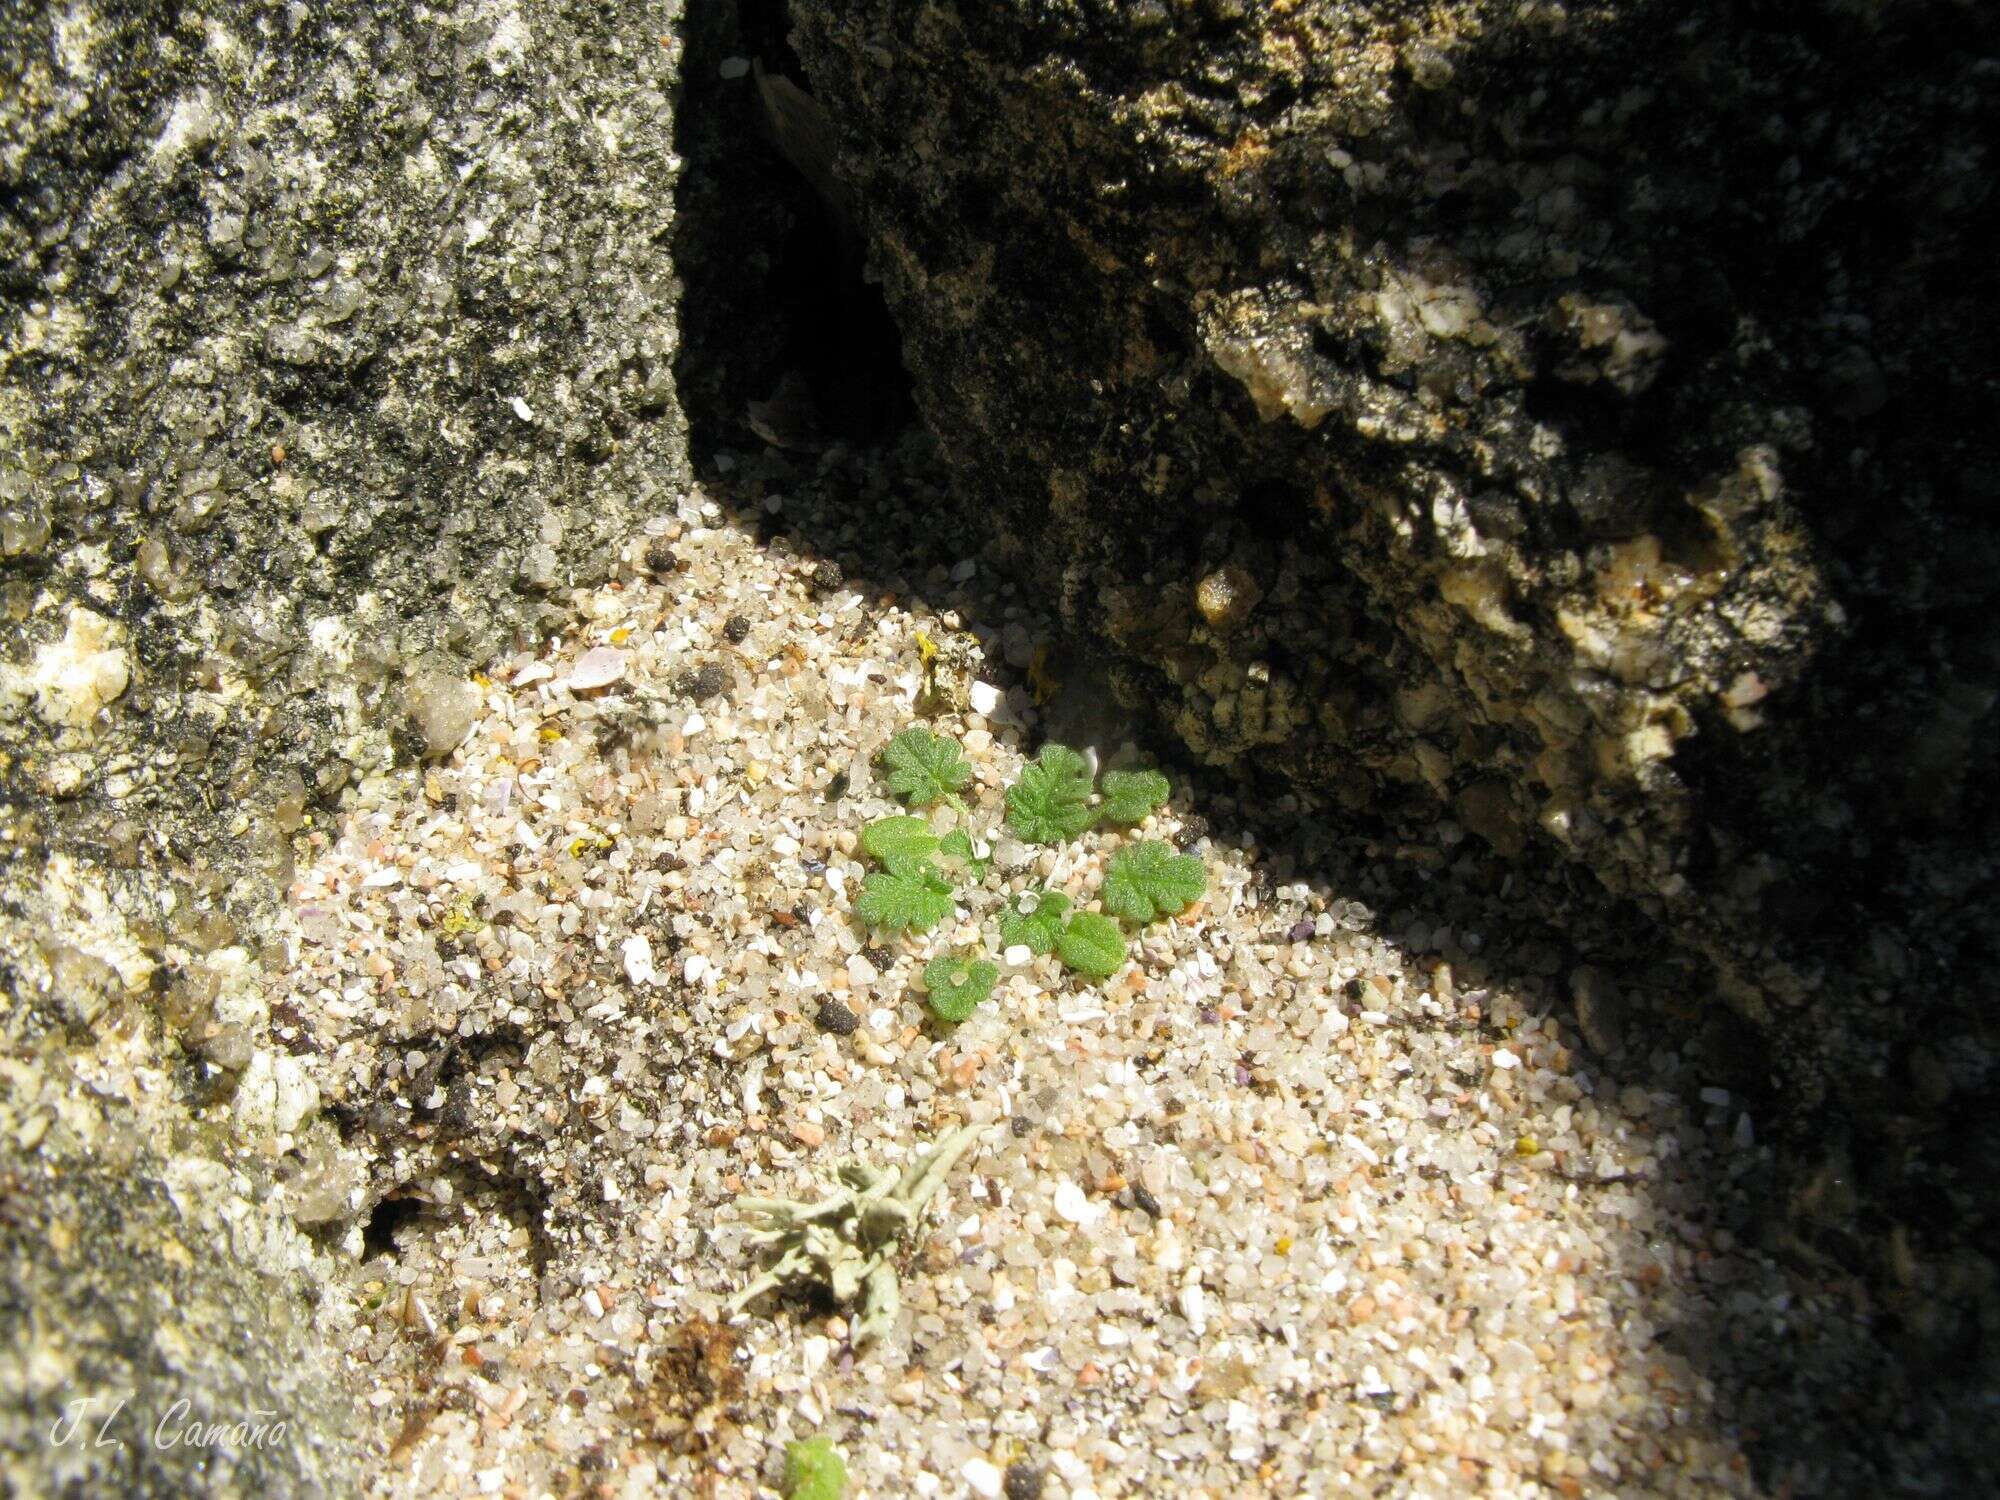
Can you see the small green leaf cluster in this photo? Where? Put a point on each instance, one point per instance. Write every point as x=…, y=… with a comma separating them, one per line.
x=1056, y=798
x=1041, y=922
x=1052, y=800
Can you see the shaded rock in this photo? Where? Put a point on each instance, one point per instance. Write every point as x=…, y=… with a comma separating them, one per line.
x=1593, y=403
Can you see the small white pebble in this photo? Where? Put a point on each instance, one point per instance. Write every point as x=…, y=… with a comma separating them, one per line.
x=522, y=410
x=638, y=954
x=1017, y=955
x=984, y=1478
x=1074, y=1206
x=1503, y=1059
x=1715, y=1096
x=985, y=698
x=1194, y=1307
x=734, y=68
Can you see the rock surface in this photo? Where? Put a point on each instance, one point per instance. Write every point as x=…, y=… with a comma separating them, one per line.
x=335, y=342
x=157, y=1336
x=1563, y=421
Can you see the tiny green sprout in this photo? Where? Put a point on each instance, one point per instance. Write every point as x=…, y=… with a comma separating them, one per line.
x=958, y=845
x=914, y=900
x=1051, y=801
x=814, y=1470
x=1149, y=880
x=1130, y=795
x=956, y=984
x=1091, y=945
x=1033, y=919
x=904, y=844
x=925, y=768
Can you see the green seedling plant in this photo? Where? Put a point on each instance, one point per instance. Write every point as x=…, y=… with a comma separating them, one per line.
x=956, y=983
x=1051, y=801
x=1034, y=920
x=814, y=1470
x=926, y=769
x=1147, y=881
x=850, y=1241
x=1055, y=799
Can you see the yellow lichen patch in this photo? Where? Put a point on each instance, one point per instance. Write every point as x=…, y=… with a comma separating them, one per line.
x=1043, y=680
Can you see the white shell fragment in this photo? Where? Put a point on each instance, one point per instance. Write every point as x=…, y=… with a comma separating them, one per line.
x=598, y=667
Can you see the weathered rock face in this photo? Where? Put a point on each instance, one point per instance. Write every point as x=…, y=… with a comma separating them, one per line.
x=335, y=344
x=1564, y=420
x=157, y=1337
x=331, y=344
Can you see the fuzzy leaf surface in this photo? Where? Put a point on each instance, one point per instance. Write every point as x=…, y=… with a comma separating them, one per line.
x=1149, y=880
x=1092, y=945
x=957, y=984
x=901, y=844
x=913, y=900
x=814, y=1470
x=1051, y=801
x=1036, y=927
x=924, y=768
x=1130, y=795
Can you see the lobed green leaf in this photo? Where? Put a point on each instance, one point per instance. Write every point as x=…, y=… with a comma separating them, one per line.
x=956, y=984
x=1033, y=919
x=1092, y=945
x=1051, y=801
x=1149, y=880
x=925, y=768
x=914, y=900
x=1130, y=795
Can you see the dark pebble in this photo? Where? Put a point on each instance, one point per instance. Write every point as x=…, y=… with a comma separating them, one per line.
x=736, y=628
x=660, y=557
x=1300, y=932
x=837, y=1018
x=703, y=683
x=1209, y=1015
x=1022, y=1126
x=1148, y=1204
x=826, y=576
x=813, y=866
x=1023, y=1482
x=669, y=862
